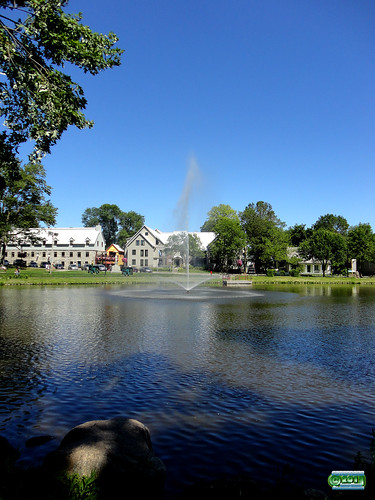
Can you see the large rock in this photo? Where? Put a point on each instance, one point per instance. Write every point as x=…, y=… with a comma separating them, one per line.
x=120, y=452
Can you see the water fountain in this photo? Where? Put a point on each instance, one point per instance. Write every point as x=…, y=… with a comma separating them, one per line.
x=188, y=283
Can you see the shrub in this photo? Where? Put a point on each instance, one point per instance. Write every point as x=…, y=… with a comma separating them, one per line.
x=294, y=272
x=270, y=272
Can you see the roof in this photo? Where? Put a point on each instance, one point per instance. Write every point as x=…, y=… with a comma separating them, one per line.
x=116, y=247
x=64, y=235
x=206, y=237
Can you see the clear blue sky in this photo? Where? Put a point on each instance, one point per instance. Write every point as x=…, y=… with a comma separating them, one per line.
x=273, y=99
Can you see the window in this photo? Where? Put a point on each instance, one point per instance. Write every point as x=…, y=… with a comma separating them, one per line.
x=308, y=268
x=146, y=233
x=43, y=254
x=146, y=262
x=32, y=254
x=133, y=262
x=142, y=253
x=142, y=243
x=62, y=254
x=137, y=243
x=316, y=268
x=87, y=254
x=55, y=242
x=142, y=262
x=78, y=254
x=134, y=251
x=71, y=255
x=146, y=253
x=55, y=254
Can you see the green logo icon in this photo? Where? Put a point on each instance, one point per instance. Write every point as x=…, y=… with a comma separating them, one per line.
x=347, y=480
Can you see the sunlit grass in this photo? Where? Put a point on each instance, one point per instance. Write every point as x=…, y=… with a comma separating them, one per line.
x=36, y=276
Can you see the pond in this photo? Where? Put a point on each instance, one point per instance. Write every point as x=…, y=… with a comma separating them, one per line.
x=229, y=383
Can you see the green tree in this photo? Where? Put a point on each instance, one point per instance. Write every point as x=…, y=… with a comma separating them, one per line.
x=267, y=240
x=196, y=250
x=229, y=243
x=217, y=213
x=275, y=247
x=324, y=246
x=335, y=223
x=130, y=223
x=189, y=250
x=37, y=39
x=177, y=246
x=108, y=216
x=117, y=225
x=297, y=234
x=361, y=244
x=23, y=202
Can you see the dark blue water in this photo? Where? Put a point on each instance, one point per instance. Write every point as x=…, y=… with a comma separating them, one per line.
x=228, y=382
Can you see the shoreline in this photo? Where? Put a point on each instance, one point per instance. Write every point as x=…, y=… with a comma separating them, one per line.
x=39, y=277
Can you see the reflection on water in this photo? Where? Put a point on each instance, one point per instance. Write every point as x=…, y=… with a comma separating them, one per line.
x=241, y=383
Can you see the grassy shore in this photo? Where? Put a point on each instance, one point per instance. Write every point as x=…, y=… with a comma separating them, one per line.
x=35, y=276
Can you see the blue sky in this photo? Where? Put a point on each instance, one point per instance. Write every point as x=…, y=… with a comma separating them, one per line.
x=272, y=100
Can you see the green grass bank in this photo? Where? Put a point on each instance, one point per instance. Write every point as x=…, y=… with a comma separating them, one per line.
x=36, y=276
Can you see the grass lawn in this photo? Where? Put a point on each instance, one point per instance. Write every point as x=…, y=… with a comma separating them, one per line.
x=36, y=276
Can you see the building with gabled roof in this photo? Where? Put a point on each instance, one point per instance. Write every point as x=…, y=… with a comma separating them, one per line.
x=114, y=255
x=146, y=248
x=64, y=246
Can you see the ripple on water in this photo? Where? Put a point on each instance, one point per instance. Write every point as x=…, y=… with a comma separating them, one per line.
x=227, y=386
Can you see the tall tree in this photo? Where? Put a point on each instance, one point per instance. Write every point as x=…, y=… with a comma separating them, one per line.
x=336, y=223
x=264, y=232
x=229, y=243
x=130, y=223
x=117, y=225
x=361, y=244
x=37, y=39
x=297, y=234
x=177, y=245
x=324, y=246
x=217, y=213
x=23, y=198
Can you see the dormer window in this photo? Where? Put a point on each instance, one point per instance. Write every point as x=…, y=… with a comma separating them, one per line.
x=87, y=241
x=55, y=242
x=71, y=241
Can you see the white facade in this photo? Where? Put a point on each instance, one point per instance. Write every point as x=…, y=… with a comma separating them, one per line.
x=146, y=247
x=65, y=246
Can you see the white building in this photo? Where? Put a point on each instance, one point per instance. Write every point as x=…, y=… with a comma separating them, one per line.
x=147, y=247
x=65, y=246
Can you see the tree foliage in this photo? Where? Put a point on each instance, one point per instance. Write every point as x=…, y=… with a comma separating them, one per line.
x=297, y=234
x=335, y=223
x=130, y=223
x=39, y=101
x=190, y=250
x=23, y=197
x=229, y=243
x=265, y=234
x=177, y=245
x=361, y=244
x=117, y=225
x=324, y=246
x=217, y=213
